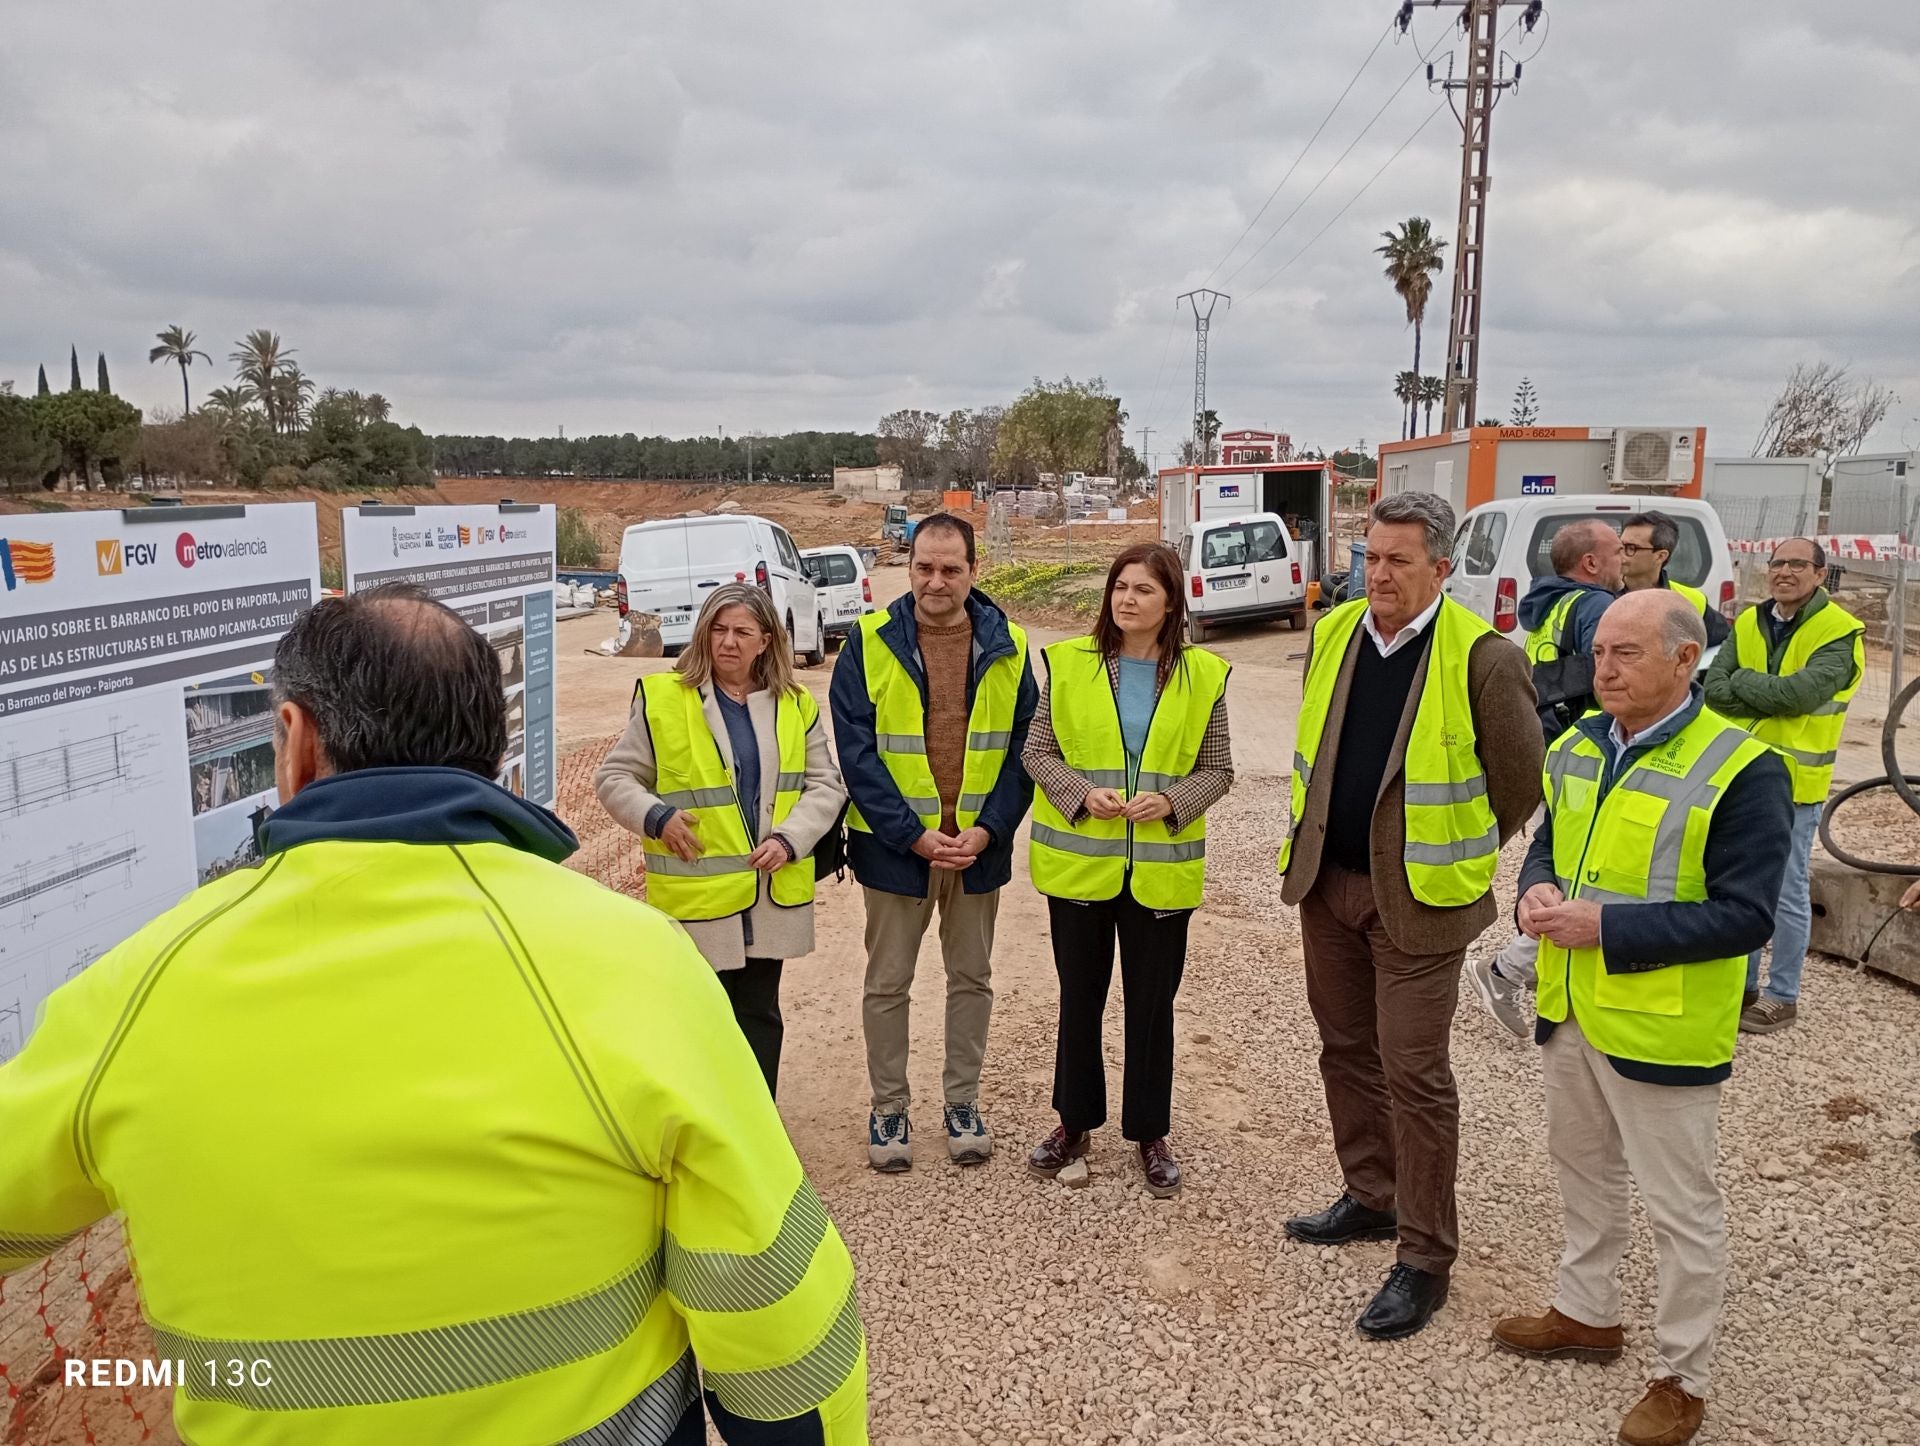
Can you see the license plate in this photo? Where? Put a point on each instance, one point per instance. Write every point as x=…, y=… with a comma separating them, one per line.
x=1224, y=582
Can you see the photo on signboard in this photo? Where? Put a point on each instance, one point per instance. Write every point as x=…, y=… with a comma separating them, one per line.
x=229, y=725
x=510, y=647
x=513, y=778
x=516, y=713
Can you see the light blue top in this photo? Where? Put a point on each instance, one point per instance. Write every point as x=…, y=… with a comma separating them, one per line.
x=1138, y=677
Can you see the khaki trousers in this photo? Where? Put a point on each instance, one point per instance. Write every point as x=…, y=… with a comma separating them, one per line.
x=895, y=926
x=1604, y=1129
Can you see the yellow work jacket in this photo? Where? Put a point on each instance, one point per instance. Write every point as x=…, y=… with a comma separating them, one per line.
x=1090, y=859
x=692, y=776
x=1453, y=838
x=440, y=1143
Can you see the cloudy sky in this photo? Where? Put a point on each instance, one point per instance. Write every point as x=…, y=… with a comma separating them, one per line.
x=613, y=217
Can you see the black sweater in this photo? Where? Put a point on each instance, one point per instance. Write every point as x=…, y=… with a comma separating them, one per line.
x=1376, y=701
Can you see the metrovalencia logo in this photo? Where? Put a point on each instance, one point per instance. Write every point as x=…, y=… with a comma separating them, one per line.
x=25, y=562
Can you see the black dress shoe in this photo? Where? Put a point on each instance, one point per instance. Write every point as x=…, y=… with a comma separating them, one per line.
x=1344, y=1220
x=1405, y=1303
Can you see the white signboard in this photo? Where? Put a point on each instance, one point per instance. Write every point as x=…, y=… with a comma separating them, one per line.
x=494, y=565
x=136, y=735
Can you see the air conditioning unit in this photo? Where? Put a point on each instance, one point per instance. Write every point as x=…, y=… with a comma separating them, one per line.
x=1651, y=458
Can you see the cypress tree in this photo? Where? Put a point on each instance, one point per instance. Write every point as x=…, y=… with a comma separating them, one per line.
x=105, y=386
x=43, y=379
x=73, y=356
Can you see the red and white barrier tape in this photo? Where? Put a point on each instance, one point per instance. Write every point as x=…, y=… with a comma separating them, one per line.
x=1879, y=547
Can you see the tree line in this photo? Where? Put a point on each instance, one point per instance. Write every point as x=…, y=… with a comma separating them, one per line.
x=805, y=459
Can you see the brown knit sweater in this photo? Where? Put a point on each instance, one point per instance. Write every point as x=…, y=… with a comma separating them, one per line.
x=948, y=656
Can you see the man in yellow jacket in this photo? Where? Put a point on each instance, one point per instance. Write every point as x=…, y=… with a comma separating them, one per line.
x=420, y=1136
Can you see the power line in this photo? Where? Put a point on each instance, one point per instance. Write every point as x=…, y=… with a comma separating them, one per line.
x=1166, y=351
x=1274, y=193
x=1418, y=65
x=1355, y=197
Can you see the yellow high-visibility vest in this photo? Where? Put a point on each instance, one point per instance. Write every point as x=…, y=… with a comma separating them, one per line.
x=1810, y=742
x=1090, y=859
x=1543, y=643
x=1691, y=594
x=900, y=728
x=1453, y=838
x=425, y=1142
x=693, y=777
x=1645, y=842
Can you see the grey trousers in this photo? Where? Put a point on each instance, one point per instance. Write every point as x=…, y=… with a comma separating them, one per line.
x=1604, y=1130
x=895, y=926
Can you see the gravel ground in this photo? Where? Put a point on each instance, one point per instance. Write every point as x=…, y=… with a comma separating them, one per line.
x=1007, y=1310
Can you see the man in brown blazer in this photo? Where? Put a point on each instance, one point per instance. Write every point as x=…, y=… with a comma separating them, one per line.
x=1386, y=923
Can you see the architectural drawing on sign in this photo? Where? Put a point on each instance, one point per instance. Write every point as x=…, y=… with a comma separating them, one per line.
x=64, y=771
x=13, y=1015
x=69, y=878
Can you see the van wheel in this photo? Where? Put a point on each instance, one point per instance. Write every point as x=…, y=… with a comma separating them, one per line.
x=817, y=655
x=1196, y=630
x=1298, y=621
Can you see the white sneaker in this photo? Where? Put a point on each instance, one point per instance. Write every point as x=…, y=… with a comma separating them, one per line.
x=1499, y=996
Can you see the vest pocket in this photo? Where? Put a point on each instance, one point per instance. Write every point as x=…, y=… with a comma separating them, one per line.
x=1656, y=991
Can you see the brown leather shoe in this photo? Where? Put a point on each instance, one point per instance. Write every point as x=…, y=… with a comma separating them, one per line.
x=1666, y=1416
x=1053, y=1154
x=1163, y=1171
x=1556, y=1337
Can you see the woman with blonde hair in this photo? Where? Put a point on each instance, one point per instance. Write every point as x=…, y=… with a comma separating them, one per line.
x=726, y=774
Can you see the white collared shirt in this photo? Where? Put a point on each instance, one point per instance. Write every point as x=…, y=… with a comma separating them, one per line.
x=1622, y=742
x=1407, y=634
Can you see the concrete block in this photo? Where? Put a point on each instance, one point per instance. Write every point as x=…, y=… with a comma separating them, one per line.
x=1849, y=909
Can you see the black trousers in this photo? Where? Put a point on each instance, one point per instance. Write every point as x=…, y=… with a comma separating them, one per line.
x=755, y=994
x=1153, y=956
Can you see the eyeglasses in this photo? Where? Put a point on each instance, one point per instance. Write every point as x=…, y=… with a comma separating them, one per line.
x=1789, y=564
x=1634, y=549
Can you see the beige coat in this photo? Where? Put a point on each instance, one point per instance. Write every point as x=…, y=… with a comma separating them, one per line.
x=626, y=782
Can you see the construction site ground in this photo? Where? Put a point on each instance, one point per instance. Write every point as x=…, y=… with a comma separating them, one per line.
x=1006, y=1309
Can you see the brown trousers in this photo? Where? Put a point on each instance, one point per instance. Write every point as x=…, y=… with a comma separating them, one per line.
x=1386, y=1020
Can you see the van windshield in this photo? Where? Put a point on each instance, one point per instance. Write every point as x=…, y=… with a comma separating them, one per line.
x=1691, y=563
x=706, y=547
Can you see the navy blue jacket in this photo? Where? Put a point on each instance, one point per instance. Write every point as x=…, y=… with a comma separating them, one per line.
x=884, y=859
x=1748, y=845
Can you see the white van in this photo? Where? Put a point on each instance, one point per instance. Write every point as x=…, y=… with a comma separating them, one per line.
x=669, y=567
x=1242, y=569
x=1503, y=546
x=846, y=592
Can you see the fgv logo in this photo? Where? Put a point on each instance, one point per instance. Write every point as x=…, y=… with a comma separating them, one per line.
x=111, y=556
x=25, y=562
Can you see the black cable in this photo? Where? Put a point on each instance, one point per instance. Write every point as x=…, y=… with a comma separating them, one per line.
x=1902, y=785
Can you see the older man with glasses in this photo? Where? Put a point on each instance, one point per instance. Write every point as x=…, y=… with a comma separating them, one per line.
x=1792, y=666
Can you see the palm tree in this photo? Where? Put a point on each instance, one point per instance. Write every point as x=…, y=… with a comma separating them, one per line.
x=176, y=346
x=229, y=404
x=292, y=392
x=259, y=359
x=376, y=408
x=1413, y=258
x=1432, y=389
x=1207, y=424
x=1406, y=389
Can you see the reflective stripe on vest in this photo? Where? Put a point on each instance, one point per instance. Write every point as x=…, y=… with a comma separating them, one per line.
x=1691, y=594
x=1810, y=742
x=691, y=775
x=1453, y=839
x=900, y=728
x=1090, y=859
x=1645, y=842
x=1543, y=643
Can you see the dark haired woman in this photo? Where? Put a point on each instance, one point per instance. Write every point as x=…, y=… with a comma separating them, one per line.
x=1129, y=749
